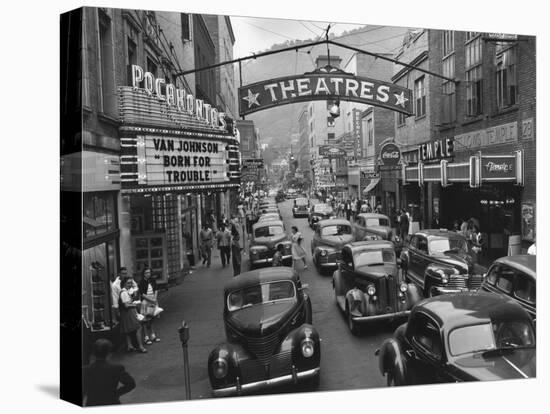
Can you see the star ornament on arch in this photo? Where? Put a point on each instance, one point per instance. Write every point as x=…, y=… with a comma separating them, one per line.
x=400, y=99
x=252, y=99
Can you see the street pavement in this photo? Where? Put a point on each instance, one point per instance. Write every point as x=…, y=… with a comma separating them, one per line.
x=347, y=362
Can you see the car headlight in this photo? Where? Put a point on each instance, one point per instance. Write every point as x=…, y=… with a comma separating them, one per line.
x=308, y=348
x=403, y=287
x=254, y=251
x=323, y=252
x=371, y=290
x=219, y=368
x=444, y=276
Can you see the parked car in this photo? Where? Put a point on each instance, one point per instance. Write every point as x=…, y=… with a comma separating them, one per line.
x=266, y=236
x=270, y=337
x=301, y=207
x=441, y=261
x=368, y=286
x=516, y=277
x=473, y=336
x=327, y=242
x=269, y=216
x=320, y=211
x=372, y=224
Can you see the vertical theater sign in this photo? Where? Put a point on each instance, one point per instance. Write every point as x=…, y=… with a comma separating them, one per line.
x=173, y=141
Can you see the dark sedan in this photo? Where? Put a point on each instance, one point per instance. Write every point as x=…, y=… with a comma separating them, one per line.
x=516, y=277
x=367, y=285
x=440, y=261
x=320, y=211
x=270, y=337
x=329, y=238
x=266, y=236
x=301, y=207
x=473, y=336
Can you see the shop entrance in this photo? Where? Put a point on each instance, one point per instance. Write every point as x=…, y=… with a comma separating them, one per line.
x=495, y=206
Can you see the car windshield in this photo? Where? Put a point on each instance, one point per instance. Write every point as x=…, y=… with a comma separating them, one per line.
x=377, y=222
x=493, y=336
x=444, y=244
x=268, y=231
x=374, y=257
x=322, y=208
x=336, y=230
x=258, y=294
x=301, y=201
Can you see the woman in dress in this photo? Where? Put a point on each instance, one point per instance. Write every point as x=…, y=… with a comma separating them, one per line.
x=129, y=322
x=148, y=290
x=298, y=252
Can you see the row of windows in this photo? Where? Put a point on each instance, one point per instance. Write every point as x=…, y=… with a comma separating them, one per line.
x=505, y=76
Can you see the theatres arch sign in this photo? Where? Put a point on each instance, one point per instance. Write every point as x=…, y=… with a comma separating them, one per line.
x=327, y=83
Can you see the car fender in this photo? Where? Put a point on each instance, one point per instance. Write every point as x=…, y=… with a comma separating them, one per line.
x=337, y=281
x=355, y=299
x=414, y=294
x=232, y=353
x=431, y=274
x=390, y=357
x=293, y=341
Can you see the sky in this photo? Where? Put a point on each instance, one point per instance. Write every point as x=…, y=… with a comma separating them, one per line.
x=257, y=34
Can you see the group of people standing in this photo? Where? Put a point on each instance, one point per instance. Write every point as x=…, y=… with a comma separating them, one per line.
x=351, y=207
x=227, y=239
x=136, y=307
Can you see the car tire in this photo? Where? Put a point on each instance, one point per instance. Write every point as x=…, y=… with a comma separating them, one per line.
x=352, y=325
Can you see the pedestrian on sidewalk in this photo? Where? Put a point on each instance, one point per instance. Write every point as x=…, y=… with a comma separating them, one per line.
x=101, y=379
x=353, y=209
x=206, y=244
x=224, y=244
x=298, y=252
x=403, y=225
x=236, y=253
x=130, y=324
x=116, y=288
x=149, y=305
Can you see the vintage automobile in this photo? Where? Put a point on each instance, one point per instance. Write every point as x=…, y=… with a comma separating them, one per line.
x=320, y=211
x=516, y=277
x=368, y=287
x=369, y=224
x=471, y=336
x=269, y=216
x=270, y=337
x=266, y=236
x=327, y=242
x=441, y=261
x=301, y=207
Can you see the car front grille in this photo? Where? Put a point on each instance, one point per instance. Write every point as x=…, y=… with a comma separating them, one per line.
x=457, y=282
x=266, y=254
x=263, y=347
x=334, y=256
x=475, y=281
x=386, y=291
x=275, y=366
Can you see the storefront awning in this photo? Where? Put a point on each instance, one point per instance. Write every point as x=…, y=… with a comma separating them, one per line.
x=371, y=185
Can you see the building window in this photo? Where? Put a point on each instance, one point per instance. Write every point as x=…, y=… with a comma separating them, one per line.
x=401, y=117
x=448, y=42
x=448, y=106
x=132, y=59
x=420, y=97
x=471, y=35
x=370, y=132
x=507, y=83
x=107, y=102
x=185, y=33
x=474, y=77
x=99, y=214
x=152, y=67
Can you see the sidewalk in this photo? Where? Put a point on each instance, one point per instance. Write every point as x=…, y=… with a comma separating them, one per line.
x=159, y=373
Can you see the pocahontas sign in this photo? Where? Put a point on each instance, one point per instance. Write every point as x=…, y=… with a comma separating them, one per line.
x=324, y=84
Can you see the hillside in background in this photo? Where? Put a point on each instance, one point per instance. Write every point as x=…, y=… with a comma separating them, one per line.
x=278, y=124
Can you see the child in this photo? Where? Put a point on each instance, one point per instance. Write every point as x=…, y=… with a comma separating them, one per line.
x=278, y=256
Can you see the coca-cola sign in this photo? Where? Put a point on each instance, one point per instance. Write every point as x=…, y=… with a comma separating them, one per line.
x=390, y=154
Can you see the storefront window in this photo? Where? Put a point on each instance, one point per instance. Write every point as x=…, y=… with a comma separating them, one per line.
x=99, y=213
x=99, y=268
